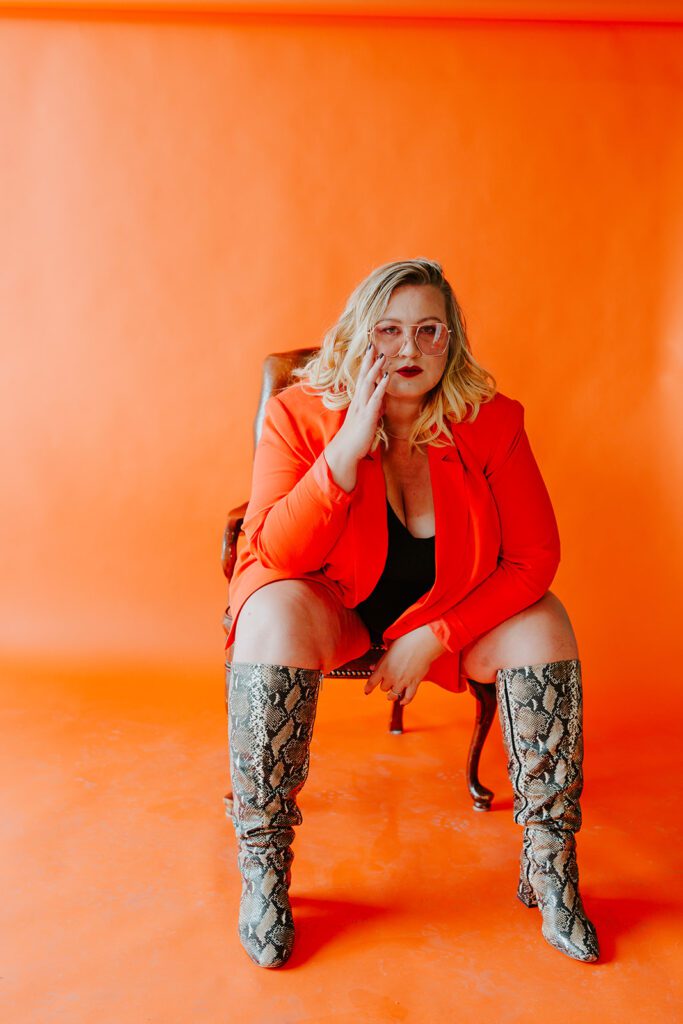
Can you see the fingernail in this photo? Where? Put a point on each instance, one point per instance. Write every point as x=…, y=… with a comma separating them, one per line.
x=381, y=357
x=385, y=374
x=369, y=346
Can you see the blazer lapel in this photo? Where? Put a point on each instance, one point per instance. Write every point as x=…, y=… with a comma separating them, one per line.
x=368, y=526
x=467, y=533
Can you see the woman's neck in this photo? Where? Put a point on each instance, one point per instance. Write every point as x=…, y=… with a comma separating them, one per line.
x=399, y=416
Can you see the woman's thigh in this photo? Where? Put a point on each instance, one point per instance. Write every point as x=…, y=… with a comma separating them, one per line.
x=540, y=633
x=298, y=622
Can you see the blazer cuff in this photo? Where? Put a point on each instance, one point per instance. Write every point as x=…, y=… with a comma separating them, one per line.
x=449, y=632
x=325, y=488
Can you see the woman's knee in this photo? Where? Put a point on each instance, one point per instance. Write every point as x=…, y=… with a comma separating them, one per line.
x=547, y=623
x=540, y=633
x=286, y=623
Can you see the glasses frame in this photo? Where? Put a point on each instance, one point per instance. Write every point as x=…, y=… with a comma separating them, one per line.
x=413, y=329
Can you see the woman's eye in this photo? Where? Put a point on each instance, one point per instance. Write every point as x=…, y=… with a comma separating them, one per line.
x=429, y=329
x=388, y=331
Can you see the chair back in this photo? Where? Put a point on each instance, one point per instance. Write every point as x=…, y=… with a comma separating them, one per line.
x=277, y=373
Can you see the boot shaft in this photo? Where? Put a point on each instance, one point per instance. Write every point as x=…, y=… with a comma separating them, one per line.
x=541, y=712
x=271, y=714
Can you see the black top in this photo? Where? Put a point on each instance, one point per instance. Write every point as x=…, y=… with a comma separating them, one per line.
x=408, y=573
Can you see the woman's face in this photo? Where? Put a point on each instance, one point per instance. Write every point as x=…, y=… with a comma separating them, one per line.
x=410, y=304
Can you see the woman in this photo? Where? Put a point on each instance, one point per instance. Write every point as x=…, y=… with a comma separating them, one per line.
x=396, y=499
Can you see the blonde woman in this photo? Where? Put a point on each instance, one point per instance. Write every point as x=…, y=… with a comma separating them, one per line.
x=396, y=500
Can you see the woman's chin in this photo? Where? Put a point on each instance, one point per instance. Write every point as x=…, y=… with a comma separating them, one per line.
x=402, y=387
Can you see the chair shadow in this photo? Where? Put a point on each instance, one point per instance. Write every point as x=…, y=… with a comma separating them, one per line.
x=503, y=803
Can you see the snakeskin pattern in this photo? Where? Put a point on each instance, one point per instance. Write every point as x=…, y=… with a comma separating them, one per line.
x=271, y=712
x=541, y=714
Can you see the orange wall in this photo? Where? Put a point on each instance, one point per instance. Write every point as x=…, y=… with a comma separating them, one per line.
x=181, y=197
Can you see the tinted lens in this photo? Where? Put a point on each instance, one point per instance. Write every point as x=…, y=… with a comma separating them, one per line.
x=432, y=338
x=389, y=338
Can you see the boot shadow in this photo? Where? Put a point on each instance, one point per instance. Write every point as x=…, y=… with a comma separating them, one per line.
x=320, y=921
x=614, y=917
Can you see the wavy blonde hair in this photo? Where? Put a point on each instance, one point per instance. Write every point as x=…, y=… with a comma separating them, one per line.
x=333, y=370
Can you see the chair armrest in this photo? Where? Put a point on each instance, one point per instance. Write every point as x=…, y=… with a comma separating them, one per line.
x=232, y=530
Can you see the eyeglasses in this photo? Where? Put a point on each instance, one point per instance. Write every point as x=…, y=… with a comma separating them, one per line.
x=431, y=339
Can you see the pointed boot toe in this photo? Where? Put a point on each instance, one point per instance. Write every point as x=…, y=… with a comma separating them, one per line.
x=578, y=940
x=266, y=924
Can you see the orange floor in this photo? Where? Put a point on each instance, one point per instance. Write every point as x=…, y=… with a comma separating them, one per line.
x=120, y=887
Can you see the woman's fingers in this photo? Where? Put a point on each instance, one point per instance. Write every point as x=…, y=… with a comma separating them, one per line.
x=409, y=693
x=378, y=393
x=394, y=691
x=374, y=677
x=387, y=685
x=369, y=377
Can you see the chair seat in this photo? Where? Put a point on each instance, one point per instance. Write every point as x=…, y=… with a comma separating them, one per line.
x=359, y=668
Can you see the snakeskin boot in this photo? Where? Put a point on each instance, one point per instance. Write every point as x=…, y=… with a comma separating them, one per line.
x=271, y=711
x=541, y=713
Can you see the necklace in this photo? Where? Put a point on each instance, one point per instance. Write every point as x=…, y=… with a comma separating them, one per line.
x=396, y=436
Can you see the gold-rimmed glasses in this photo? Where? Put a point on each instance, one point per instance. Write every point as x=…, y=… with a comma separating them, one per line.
x=430, y=338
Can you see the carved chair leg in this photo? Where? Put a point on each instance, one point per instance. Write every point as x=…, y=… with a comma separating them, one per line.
x=485, y=696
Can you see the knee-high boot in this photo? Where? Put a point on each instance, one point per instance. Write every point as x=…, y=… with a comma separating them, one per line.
x=541, y=713
x=271, y=711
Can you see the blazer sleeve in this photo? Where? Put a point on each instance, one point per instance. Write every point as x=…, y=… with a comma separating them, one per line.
x=296, y=511
x=530, y=542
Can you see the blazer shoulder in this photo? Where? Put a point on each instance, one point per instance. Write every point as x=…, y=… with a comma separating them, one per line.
x=495, y=431
x=298, y=396
x=500, y=408
x=499, y=413
x=299, y=412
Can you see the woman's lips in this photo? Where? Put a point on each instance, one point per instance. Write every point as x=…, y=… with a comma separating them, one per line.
x=410, y=371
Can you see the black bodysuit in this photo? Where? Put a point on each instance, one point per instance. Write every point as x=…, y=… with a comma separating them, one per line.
x=408, y=573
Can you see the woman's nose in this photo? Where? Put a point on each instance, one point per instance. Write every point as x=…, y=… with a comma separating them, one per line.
x=408, y=343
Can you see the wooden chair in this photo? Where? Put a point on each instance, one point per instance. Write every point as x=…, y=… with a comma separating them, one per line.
x=277, y=369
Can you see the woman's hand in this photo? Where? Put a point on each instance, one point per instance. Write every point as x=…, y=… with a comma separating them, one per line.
x=401, y=670
x=356, y=434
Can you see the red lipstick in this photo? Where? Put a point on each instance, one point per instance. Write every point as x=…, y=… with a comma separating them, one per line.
x=410, y=371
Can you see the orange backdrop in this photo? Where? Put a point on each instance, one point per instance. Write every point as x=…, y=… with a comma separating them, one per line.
x=183, y=195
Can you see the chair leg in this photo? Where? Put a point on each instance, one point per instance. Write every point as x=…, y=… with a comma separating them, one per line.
x=396, y=720
x=485, y=696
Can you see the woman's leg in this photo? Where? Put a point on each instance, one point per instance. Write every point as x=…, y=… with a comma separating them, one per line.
x=533, y=658
x=287, y=634
x=298, y=622
x=540, y=633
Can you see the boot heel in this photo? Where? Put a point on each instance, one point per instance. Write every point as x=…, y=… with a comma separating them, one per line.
x=526, y=894
x=525, y=891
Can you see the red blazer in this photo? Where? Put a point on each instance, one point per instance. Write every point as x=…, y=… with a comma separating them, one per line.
x=497, y=544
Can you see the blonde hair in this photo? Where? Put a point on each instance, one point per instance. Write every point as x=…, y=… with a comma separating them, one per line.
x=333, y=370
